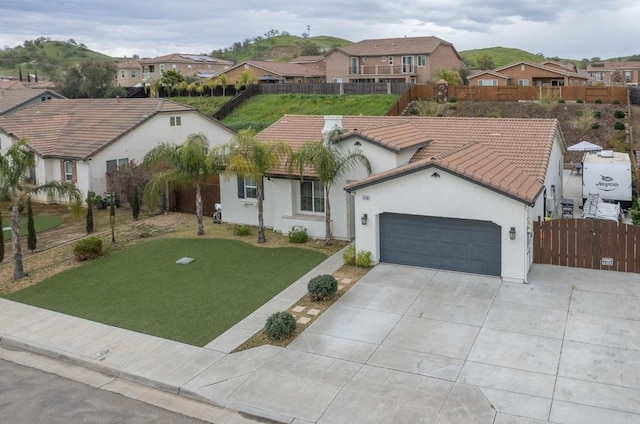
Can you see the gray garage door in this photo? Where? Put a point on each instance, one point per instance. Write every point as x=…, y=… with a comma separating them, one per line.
x=442, y=243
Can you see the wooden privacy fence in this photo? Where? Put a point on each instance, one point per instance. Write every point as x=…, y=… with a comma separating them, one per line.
x=587, y=243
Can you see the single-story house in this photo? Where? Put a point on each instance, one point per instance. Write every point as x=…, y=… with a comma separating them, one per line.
x=82, y=140
x=13, y=100
x=274, y=72
x=452, y=193
x=526, y=73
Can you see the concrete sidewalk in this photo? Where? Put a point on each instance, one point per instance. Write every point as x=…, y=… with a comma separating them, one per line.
x=404, y=345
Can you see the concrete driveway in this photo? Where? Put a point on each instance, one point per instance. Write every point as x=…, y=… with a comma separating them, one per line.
x=413, y=345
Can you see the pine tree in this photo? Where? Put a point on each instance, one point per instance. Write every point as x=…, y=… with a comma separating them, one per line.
x=36, y=72
x=90, y=198
x=112, y=217
x=32, y=240
x=28, y=75
x=135, y=204
x=1, y=239
x=20, y=71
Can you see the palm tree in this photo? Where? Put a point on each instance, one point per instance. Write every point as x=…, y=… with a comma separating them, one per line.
x=247, y=157
x=180, y=166
x=329, y=164
x=223, y=80
x=14, y=170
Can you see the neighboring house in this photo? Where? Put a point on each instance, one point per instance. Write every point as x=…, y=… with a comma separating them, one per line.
x=314, y=63
x=83, y=140
x=408, y=60
x=526, y=73
x=615, y=73
x=444, y=193
x=275, y=72
x=13, y=100
x=137, y=72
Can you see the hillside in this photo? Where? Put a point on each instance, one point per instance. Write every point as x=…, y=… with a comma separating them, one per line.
x=503, y=56
x=280, y=48
x=45, y=56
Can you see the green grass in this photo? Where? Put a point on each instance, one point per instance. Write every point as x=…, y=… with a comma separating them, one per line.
x=261, y=111
x=503, y=56
x=204, y=104
x=42, y=223
x=142, y=289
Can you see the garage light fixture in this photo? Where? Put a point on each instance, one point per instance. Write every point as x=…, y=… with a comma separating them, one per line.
x=435, y=175
x=512, y=233
x=364, y=219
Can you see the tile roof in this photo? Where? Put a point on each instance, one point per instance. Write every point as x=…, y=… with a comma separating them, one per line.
x=284, y=69
x=12, y=85
x=405, y=45
x=184, y=58
x=307, y=59
x=78, y=128
x=522, y=144
x=11, y=99
x=556, y=70
x=489, y=72
x=613, y=65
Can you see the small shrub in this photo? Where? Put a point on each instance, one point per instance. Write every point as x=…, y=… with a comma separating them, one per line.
x=363, y=258
x=598, y=101
x=579, y=100
x=280, y=325
x=88, y=248
x=597, y=114
x=452, y=99
x=241, y=230
x=635, y=216
x=322, y=287
x=618, y=114
x=618, y=126
x=298, y=234
x=618, y=142
x=494, y=114
x=560, y=100
x=349, y=255
x=579, y=113
x=595, y=126
x=453, y=107
x=615, y=102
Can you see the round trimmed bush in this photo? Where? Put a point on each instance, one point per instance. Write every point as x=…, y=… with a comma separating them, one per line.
x=280, y=325
x=618, y=114
x=322, y=287
x=618, y=126
x=298, y=234
x=88, y=248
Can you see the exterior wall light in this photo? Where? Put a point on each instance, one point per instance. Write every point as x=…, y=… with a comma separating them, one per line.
x=512, y=233
x=364, y=219
x=435, y=175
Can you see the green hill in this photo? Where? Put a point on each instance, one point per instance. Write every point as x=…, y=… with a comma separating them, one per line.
x=503, y=56
x=45, y=56
x=279, y=48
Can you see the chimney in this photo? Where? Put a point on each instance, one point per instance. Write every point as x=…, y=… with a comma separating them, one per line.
x=331, y=123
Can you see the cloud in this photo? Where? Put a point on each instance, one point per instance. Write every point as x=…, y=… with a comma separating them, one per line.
x=151, y=28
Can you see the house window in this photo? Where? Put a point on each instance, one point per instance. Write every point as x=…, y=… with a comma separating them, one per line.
x=390, y=60
x=599, y=76
x=627, y=76
x=383, y=59
x=311, y=196
x=175, y=121
x=174, y=66
x=523, y=82
x=557, y=83
x=247, y=188
x=113, y=165
x=68, y=170
x=122, y=73
x=133, y=73
x=487, y=82
x=162, y=68
x=422, y=60
x=337, y=80
x=188, y=67
x=152, y=69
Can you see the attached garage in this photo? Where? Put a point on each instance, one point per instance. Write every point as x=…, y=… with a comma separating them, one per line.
x=443, y=243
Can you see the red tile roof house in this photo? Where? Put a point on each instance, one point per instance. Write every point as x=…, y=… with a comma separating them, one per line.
x=408, y=60
x=451, y=193
x=13, y=100
x=81, y=140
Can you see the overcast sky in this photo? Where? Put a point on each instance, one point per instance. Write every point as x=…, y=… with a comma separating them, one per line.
x=573, y=29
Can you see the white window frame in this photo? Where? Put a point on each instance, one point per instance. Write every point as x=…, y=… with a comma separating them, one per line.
x=175, y=121
x=250, y=188
x=337, y=80
x=599, y=76
x=422, y=60
x=317, y=197
x=133, y=73
x=68, y=170
x=383, y=58
x=523, y=82
x=390, y=60
x=628, y=75
x=487, y=82
x=122, y=73
x=163, y=68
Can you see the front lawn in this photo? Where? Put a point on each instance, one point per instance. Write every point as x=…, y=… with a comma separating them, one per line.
x=141, y=288
x=41, y=223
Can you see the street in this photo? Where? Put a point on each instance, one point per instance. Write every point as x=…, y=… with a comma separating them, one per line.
x=29, y=396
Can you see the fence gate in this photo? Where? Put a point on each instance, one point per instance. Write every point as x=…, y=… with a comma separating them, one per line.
x=210, y=192
x=587, y=243
x=634, y=95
